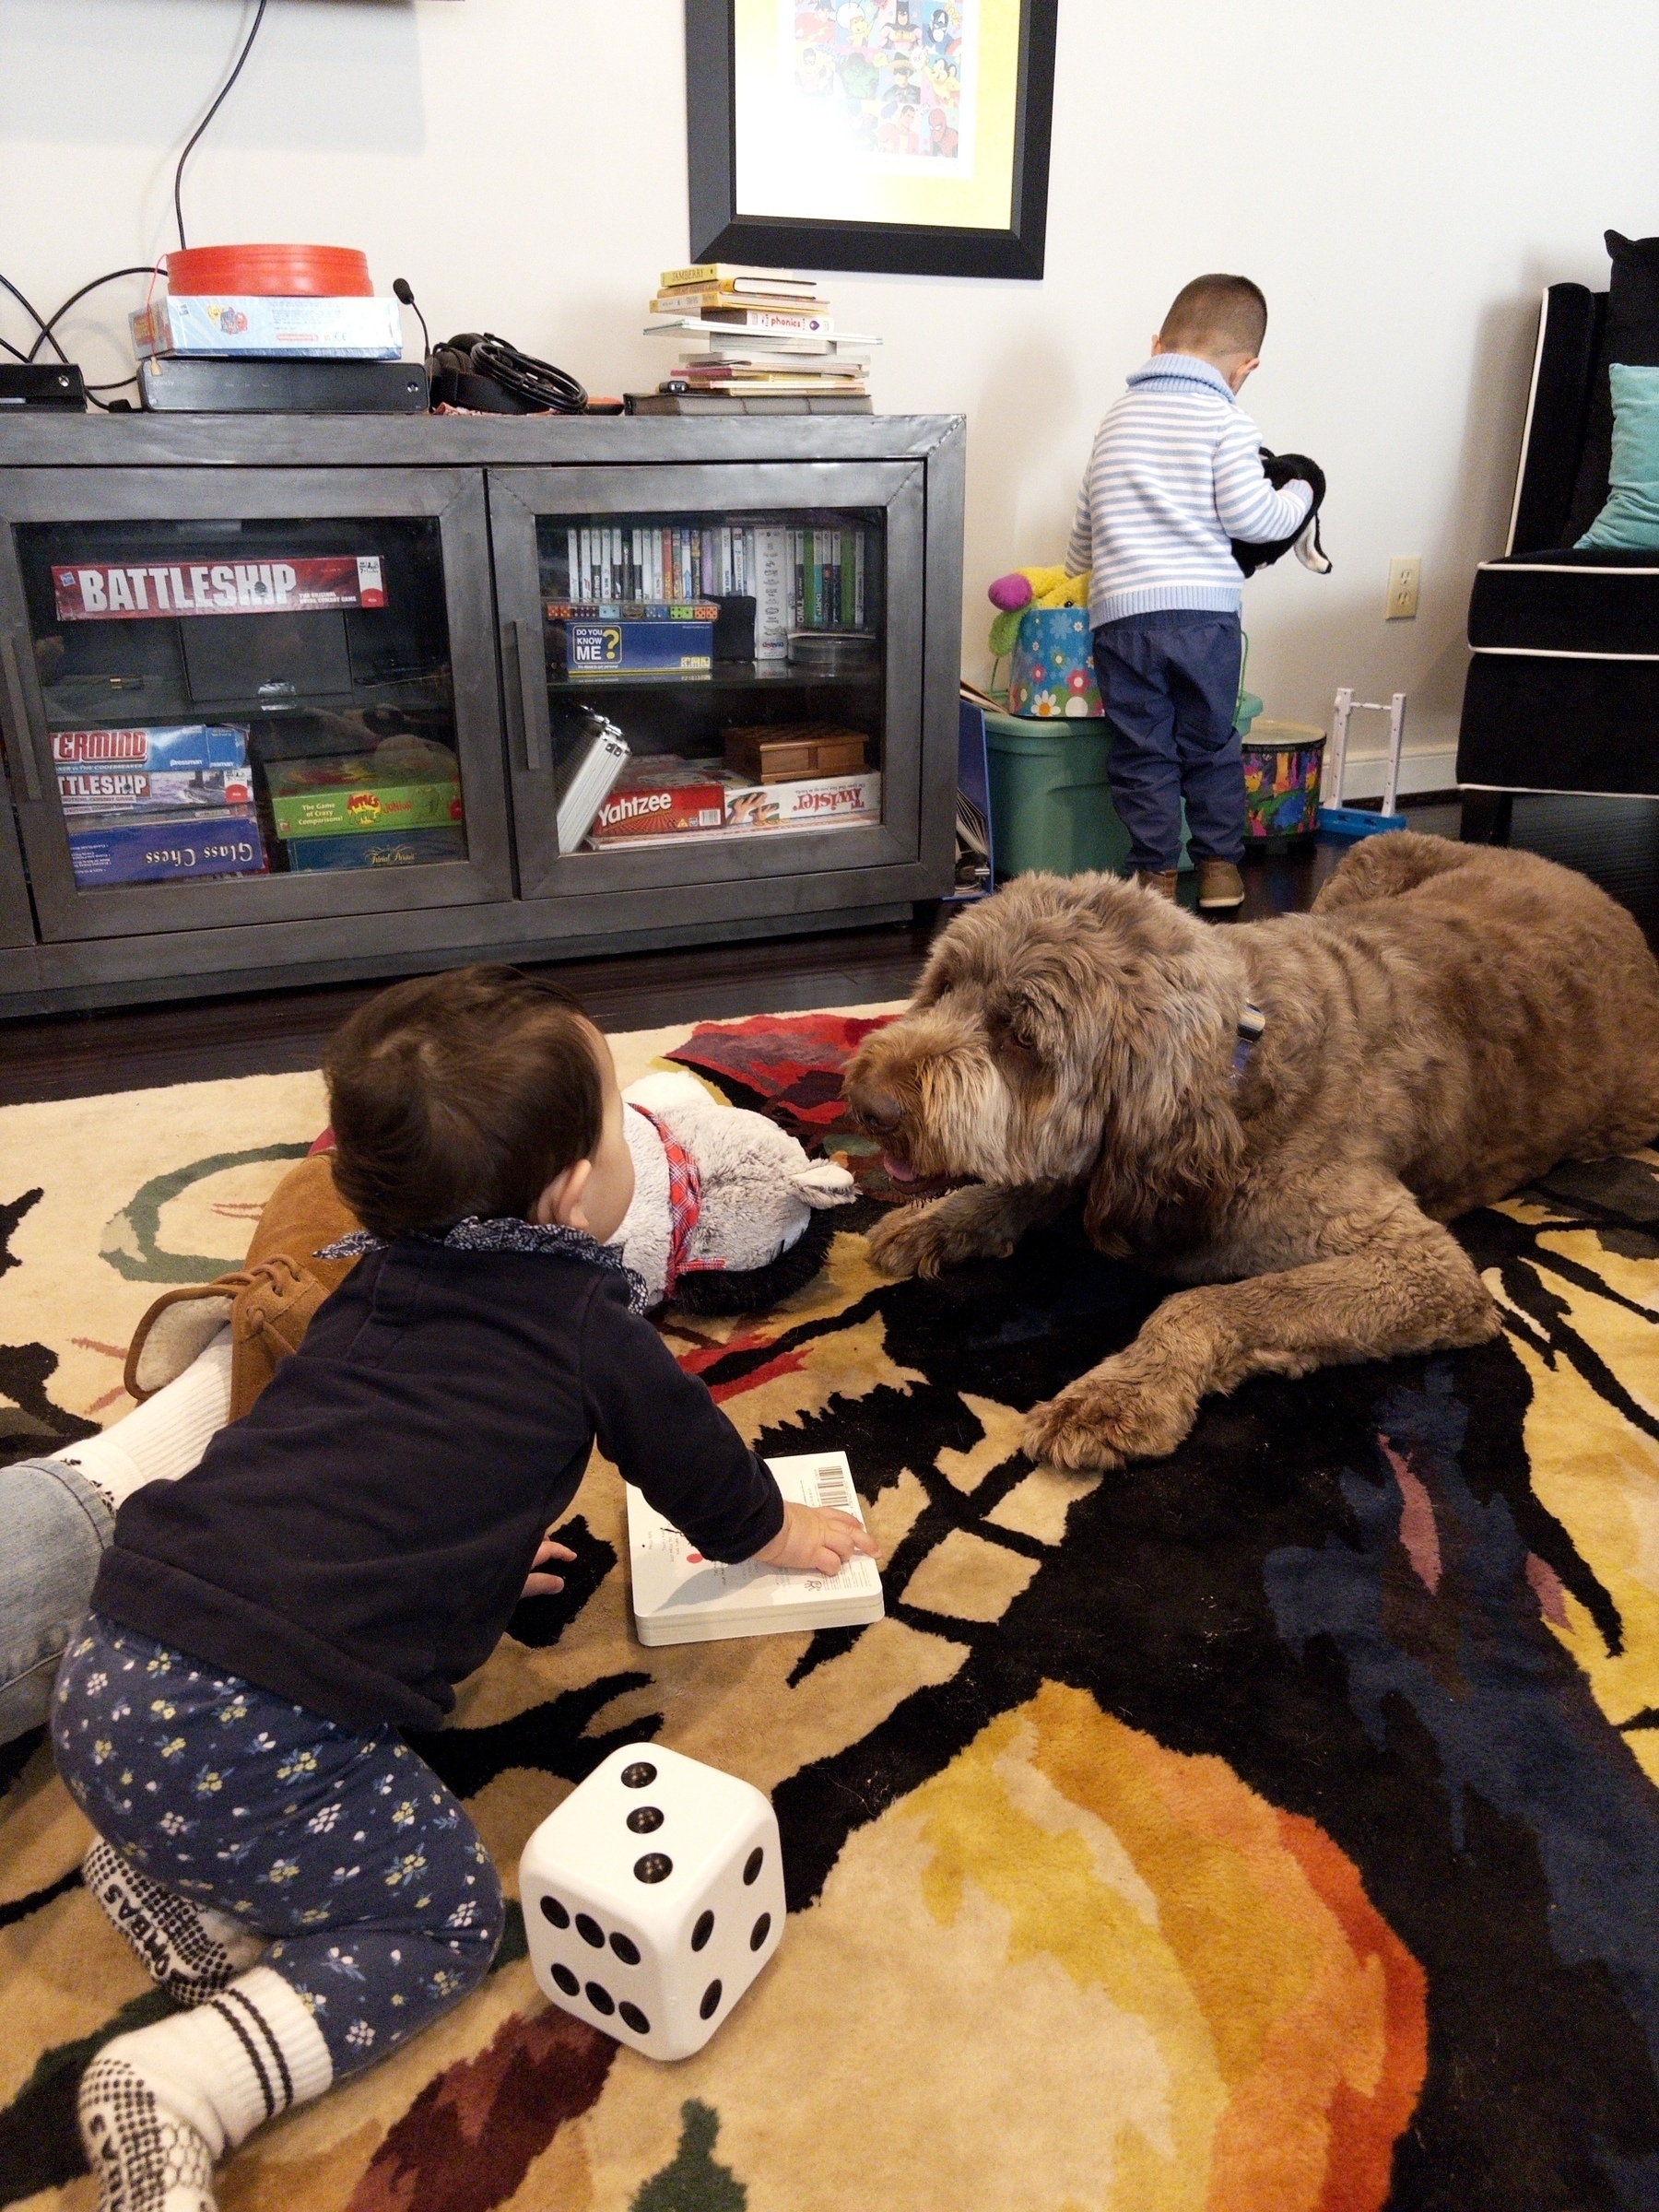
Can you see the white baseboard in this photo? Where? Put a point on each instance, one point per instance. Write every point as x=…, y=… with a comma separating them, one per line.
x=1362, y=777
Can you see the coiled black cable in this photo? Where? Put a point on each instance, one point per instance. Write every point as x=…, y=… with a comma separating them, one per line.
x=537, y=383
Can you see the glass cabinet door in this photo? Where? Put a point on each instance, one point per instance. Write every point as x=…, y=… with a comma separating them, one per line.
x=251, y=694
x=716, y=670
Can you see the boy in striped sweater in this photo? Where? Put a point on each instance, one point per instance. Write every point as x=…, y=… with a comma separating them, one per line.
x=1174, y=476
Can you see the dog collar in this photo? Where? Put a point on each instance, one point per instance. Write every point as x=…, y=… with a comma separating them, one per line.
x=1251, y=1022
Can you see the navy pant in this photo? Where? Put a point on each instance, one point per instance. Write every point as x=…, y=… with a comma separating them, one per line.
x=346, y=1848
x=1170, y=686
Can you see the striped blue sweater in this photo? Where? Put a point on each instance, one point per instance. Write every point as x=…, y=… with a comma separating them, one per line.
x=1175, y=474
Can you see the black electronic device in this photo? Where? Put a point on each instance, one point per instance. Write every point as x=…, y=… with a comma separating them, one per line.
x=43, y=384
x=224, y=387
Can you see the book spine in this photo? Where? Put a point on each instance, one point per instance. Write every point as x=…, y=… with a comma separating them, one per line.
x=859, y=541
x=769, y=578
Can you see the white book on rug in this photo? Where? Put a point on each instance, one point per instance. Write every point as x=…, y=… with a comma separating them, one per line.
x=681, y=1597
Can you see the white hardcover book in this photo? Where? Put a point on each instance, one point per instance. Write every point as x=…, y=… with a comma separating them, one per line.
x=681, y=1597
x=590, y=787
x=774, y=587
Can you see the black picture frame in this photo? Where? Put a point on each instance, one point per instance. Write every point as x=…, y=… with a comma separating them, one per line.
x=721, y=231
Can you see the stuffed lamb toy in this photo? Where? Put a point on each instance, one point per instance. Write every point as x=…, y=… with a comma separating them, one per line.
x=728, y=1211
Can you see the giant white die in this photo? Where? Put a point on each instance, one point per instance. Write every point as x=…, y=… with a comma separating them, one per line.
x=653, y=1896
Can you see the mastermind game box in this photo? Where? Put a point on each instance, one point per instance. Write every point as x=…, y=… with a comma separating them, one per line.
x=176, y=749
x=165, y=849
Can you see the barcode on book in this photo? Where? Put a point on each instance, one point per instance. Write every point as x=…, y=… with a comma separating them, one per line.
x=833, y=1488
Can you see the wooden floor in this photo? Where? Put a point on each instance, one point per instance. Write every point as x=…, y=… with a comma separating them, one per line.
x=81, y=1055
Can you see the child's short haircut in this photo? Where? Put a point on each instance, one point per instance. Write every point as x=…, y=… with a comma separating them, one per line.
x=1216, y=315
x=460, y=1094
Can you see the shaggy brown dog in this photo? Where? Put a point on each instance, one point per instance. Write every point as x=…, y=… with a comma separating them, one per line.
x=1447, y=1023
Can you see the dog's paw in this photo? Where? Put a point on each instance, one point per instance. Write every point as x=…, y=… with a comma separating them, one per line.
x=1105, y=1419
x=909, y=1241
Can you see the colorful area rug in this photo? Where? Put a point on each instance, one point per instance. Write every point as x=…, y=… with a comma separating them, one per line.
x=1270, y=1830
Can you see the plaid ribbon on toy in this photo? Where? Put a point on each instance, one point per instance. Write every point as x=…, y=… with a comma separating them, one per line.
x=685, y=1200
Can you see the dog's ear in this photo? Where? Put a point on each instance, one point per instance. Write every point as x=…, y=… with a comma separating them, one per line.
x=1171, y=1144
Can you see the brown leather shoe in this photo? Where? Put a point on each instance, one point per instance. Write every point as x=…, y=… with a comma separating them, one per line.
x=1161, y=881
x=1219, y=885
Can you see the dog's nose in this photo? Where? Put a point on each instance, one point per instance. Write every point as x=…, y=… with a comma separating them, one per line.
x=877, y=1108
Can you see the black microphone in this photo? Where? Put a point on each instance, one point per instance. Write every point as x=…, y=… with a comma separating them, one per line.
x=403, y=290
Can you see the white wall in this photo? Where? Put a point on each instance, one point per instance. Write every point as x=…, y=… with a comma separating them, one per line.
x=1401, y=181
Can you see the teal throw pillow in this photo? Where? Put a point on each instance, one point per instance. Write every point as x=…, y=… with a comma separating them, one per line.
x=1630, y=518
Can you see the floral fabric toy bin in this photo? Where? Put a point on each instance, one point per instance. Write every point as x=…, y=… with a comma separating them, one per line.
x=1052, y=670
x=1282, y=765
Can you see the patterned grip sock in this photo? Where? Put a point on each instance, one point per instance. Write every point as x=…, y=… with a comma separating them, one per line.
x=189, y=1949
x=158, y=2107
x=166, y=1436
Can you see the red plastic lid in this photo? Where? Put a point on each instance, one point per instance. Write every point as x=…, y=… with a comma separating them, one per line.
x=264, y=271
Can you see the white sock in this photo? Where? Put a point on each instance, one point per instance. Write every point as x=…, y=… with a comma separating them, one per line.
x=158, y=2107
x=166, y=1436
x=191, y=1950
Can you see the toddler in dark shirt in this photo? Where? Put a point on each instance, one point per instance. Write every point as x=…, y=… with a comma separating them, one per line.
x=228, y=1715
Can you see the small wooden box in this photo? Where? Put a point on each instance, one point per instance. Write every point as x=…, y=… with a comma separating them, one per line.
x=787, y=752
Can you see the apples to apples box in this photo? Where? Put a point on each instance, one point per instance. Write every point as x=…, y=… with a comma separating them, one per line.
x=337, y=796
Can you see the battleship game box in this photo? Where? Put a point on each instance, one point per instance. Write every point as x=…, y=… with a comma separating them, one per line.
x=151, y=790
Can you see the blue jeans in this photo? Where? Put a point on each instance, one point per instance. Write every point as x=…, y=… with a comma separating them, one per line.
x=53, y=1530
x=1170, y=686
x=341, y=1844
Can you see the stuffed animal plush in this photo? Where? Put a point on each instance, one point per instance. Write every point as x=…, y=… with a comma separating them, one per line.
x=1015, y=595
x=728, y=1212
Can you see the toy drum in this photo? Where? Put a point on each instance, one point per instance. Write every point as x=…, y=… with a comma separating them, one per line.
x=1052, y=672
x=1282, y=763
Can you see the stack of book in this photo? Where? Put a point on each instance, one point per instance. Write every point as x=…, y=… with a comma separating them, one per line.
x=753, y=341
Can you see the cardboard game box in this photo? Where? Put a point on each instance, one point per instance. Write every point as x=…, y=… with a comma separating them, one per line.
x=355, y=792
x=378, y=849
x=660, y=794
x=151, y=790
x=587, y=645
x=168, y=849
x=176, y=746
x=301, y=329
x=855, y=798
x=681, y=1597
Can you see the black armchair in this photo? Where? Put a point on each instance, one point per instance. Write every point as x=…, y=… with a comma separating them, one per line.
x=1564, y=691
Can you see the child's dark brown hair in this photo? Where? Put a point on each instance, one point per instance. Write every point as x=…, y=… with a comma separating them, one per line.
x=460, y=1094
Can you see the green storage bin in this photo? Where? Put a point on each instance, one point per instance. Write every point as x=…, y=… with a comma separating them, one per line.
x=1050, y=805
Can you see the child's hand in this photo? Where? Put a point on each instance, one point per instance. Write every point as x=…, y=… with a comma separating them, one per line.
x=546, y=1586
x=815, y=1539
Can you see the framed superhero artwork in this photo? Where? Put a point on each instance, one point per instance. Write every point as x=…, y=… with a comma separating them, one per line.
x=910, y=136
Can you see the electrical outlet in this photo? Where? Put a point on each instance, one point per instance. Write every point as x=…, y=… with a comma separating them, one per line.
x=1405, y=573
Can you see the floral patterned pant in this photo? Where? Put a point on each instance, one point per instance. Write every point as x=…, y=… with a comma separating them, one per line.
x=346, y=1849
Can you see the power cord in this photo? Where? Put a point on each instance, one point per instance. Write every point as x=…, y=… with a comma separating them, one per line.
x=539, y=383
x=213, y=111
x=47, y=326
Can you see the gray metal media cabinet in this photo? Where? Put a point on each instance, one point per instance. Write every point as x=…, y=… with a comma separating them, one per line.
x=290, y=700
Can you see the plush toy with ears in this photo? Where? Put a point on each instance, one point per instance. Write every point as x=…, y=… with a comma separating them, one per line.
x=1026, y=588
